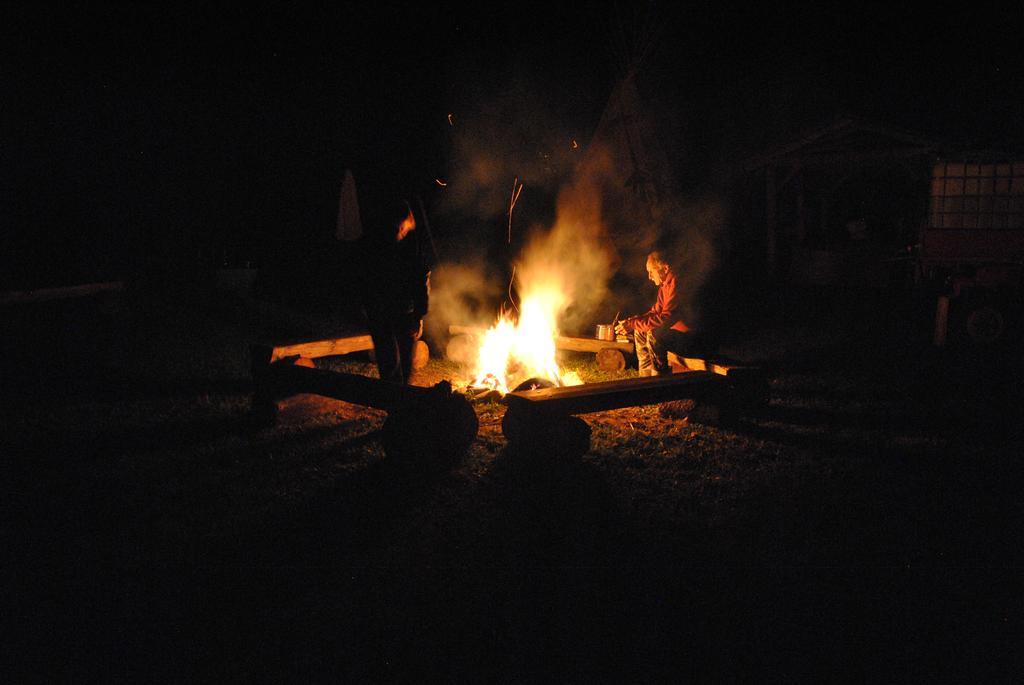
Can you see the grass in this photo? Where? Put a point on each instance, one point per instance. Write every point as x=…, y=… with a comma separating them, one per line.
x=866, y=523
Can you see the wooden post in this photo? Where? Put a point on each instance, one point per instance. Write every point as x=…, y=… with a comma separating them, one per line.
x=941, y=321
x=801, y=212
x=771, y=221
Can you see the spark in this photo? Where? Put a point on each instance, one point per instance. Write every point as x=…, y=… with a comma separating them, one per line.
x=451, y=119
x=512, y=204
x=441, y=183
x=575, y=145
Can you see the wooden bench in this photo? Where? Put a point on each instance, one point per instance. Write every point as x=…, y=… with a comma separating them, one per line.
x=263, y=354
x=544, y=419
x=425, y=426
x=610, y=354
x=629, y=392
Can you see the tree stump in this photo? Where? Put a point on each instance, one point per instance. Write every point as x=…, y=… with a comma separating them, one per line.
x=420, y=354
x=532, y=434
x=610, y=359
x=430, y=430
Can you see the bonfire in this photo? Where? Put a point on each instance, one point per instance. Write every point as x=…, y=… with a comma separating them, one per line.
x=520, y=347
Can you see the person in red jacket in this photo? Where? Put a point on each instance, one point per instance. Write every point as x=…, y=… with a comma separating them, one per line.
x=661, y=328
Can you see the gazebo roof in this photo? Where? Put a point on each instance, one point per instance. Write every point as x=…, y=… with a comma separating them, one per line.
x=846, y=139
x=850, y=140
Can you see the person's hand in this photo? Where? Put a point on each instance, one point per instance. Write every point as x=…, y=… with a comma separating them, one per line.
x=620, y=328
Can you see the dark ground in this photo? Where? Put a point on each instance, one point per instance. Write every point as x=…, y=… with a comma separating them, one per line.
x=865, y=527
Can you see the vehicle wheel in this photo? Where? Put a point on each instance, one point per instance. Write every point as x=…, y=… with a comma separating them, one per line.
x=985, y=324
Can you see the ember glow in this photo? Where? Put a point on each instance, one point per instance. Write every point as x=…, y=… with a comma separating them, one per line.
x=516, y=349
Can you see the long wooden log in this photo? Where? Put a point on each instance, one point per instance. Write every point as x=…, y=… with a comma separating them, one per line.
x=562, y=342
x=590, y=397
x=280, y=380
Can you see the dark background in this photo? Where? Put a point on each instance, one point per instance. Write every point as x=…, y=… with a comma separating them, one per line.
x=141, y=138
x=871, y=518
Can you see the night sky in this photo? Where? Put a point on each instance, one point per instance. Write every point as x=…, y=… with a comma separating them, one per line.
x=137, y=135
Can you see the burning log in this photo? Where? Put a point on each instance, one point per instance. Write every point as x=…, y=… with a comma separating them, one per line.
x=433, y=423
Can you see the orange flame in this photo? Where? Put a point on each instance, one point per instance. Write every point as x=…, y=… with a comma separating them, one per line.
x=513, y=351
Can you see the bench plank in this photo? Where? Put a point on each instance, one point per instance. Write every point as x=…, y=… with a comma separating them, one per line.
x=562, y=342
x=323, y=348
x=719, y=366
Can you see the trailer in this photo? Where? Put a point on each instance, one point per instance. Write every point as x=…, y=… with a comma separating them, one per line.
x=971, y=249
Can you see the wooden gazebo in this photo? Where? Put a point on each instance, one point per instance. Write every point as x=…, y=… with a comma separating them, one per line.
x=803, y=182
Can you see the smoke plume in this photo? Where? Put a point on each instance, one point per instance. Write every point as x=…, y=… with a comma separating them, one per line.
x=594, y=211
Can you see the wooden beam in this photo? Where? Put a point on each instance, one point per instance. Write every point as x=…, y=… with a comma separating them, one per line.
x=590, y=397
x=823, y=159
x=562, y=342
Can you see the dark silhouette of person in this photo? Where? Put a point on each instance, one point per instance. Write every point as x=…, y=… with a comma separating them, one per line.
x=396, y=287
